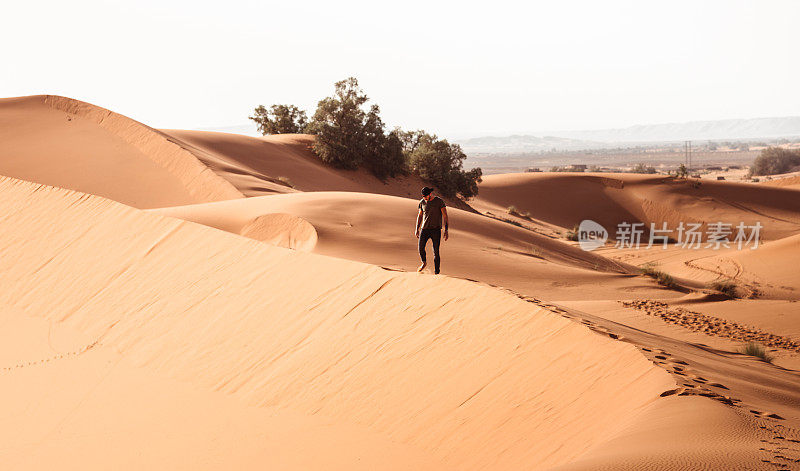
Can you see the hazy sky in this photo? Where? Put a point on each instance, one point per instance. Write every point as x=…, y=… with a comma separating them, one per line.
x=456, y=68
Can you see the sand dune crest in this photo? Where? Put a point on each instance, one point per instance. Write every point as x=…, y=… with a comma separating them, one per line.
x=77, y=145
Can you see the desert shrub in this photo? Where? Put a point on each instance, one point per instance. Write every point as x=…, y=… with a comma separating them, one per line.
x=286, y=181
x=664, y=279
x=512, y=210
x=649, y=269
x=280, y=119
x=775, y=160
x=440, y=163
x=572, y=234
x=757, y=350
x=725, y=287
x=642, y=168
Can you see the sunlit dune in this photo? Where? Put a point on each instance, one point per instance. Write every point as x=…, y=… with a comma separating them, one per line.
x=461, y=374
x=76, y=145
x=200, y=300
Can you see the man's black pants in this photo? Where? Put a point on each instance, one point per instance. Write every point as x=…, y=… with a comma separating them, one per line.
x=435, y=235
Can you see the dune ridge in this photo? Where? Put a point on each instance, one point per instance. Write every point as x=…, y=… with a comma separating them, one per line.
x=564, y=199
x=378, y=229
x=69, y=143
x=472, y=376
x=200, y=181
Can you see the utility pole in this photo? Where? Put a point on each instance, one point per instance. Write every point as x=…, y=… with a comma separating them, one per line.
x=687, y=151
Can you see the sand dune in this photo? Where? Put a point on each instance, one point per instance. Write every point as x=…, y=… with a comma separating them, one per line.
x=145, y=340
x=771, y=270
x=72, y=144
x=786, y=182
x=767, y=272
x=378, y=229
x=564, y=199
x=775, y=262
x=440, y=372
x=283, y=163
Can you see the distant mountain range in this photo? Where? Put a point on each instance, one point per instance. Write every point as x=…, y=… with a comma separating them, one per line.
x=720, y=130
x=728, y=129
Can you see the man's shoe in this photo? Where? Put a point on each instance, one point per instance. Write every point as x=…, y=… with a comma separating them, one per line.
x=422, y=267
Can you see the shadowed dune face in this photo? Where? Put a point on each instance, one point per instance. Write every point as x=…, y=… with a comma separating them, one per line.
x=609, y=199
x=256, y=165
x=76, y=145
x=438, y=371
x=284, y=163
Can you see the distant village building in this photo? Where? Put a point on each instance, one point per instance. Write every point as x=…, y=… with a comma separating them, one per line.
x=533, y=169
x=577, y=168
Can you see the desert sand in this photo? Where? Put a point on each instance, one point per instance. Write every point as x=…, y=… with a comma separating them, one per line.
x=194, y=300
x=789, y=180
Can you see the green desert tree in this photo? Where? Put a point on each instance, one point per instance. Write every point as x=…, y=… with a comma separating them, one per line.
x=410, y=139
x=440, y=163
x=349, y=136
x=280, y=119
x=775, y=160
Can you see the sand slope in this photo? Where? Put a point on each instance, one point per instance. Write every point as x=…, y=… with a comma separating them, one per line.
x=284, y=163
x=378, y=229
x=770, y=271
x=788, y=180
x=132, y=339
x=72, y=144
x=564, y=199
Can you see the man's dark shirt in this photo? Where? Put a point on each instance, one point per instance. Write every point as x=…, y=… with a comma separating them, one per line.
x=431, y=213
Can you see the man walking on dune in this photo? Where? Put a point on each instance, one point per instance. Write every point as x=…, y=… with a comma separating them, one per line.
x=432, y=212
